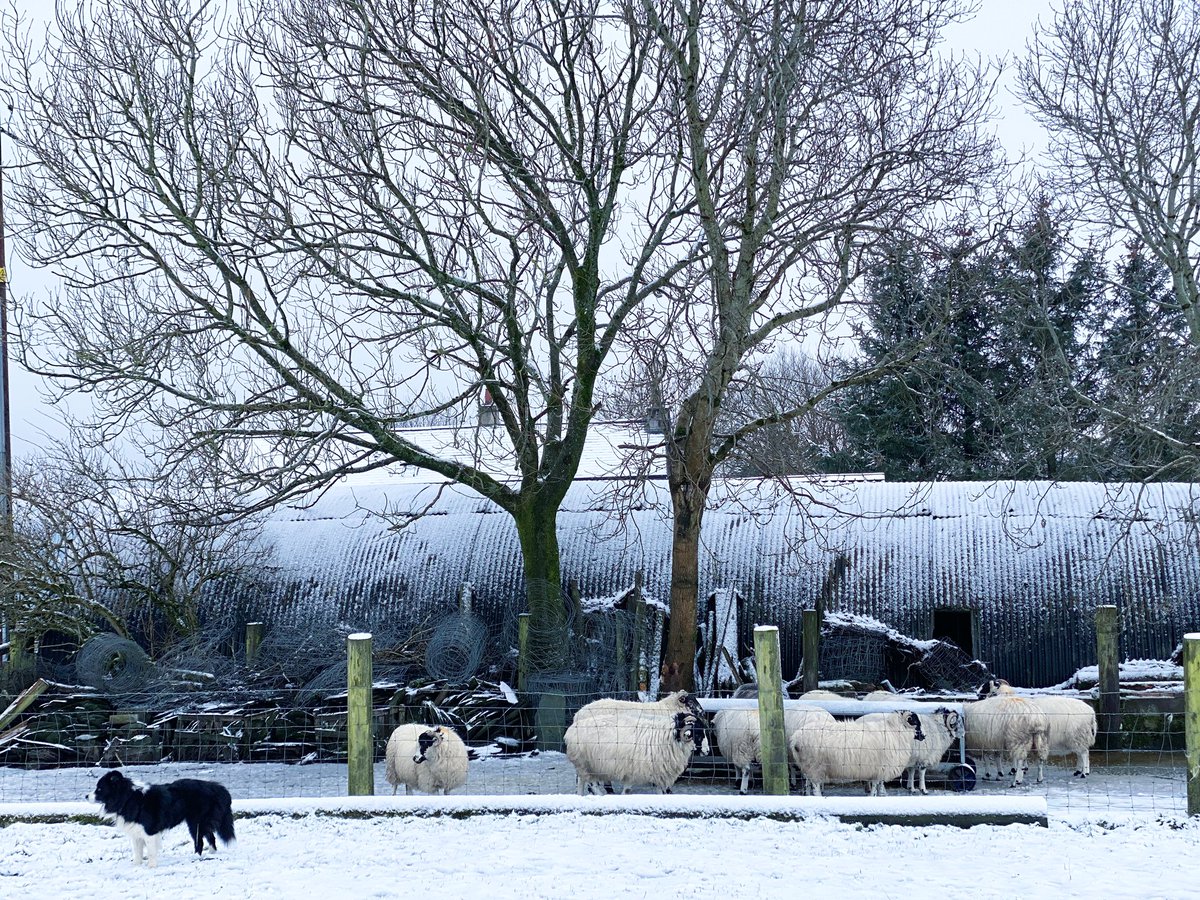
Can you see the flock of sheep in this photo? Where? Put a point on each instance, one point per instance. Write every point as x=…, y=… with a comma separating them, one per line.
x=637, y=744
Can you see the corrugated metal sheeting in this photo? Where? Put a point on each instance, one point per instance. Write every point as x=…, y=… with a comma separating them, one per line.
x=1031, y=560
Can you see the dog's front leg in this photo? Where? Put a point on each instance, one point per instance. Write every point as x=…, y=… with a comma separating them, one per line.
x=138, y=846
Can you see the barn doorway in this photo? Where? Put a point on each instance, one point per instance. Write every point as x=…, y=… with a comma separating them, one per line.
x=955, y=624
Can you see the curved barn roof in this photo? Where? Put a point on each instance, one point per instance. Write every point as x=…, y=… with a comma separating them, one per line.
x=1032, y=559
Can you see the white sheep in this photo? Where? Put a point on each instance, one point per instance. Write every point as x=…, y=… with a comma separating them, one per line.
x=1006, y=727
x=740, y=739
x=873, y=748
x=638, y=743
x=821, y=695
x=941, y=729
x=880, y=697
x=1072, y=726
x=679, y=701
x=431, y=759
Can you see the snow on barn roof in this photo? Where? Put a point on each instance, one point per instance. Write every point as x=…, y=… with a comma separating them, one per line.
x=1031, y=560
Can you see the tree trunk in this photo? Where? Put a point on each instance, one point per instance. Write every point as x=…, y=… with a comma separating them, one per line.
x=537, y=532
x=689, y=474
x=679, y=660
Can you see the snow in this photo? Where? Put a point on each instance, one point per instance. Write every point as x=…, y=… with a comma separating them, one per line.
x=518, y=830
x=565, y=853
x=1131, y=670
x=872, y=624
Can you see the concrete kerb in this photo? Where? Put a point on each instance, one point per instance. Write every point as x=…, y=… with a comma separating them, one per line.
x=917, y=811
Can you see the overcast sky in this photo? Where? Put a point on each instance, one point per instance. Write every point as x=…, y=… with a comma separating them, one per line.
x=1000, y=30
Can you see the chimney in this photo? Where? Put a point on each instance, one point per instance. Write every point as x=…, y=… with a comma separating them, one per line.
x=488, y=413
x=656, y=422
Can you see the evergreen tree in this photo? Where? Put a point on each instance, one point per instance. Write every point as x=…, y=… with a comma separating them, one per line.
x=1146, y=378
x=928, y=421
x=1041, y=346
x=997, y=339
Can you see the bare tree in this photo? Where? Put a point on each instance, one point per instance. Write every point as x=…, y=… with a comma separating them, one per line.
x=799, y=446
x=809, y=130
x=1117, y=85
x=104, y=541
x=301, y=228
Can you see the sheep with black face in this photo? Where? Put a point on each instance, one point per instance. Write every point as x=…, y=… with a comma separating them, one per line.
x=431, y=759
x=874, y=748
x=635, y=743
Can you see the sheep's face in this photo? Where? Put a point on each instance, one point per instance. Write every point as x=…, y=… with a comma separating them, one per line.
x=425, y=742
x=689, y=729
x=952, y=722
x=914, y=721
x=991, y=687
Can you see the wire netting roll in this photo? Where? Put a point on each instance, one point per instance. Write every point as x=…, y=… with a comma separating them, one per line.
x=947, y=667
x=853, y=655
x=113, y=663
x=456, y=649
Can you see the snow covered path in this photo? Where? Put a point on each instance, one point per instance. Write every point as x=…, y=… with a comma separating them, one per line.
x=615, y=856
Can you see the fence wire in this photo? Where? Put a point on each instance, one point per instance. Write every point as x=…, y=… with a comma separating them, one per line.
x=288, y=742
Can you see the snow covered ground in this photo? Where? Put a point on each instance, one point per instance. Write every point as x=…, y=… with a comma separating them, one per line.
x=614, y=856
x=1121, y=834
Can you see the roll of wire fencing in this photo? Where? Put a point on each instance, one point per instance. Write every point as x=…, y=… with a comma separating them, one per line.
x=113, y=664
x=457, y=648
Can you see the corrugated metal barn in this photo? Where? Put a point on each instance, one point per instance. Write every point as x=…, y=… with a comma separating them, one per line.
x=1012, y=571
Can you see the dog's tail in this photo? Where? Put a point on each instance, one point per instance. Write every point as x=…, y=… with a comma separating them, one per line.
x=225, y=826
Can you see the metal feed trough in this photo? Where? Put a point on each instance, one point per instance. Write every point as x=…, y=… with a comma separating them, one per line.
x=961, y=773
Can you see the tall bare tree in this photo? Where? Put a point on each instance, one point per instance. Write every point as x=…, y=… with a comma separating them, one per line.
x=1117, y=85
x=810, y=128
x=304, y=224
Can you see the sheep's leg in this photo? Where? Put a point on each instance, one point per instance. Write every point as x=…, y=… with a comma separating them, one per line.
x=1041, y=770
x=987, y=765
x=924, y=790
x=1083, y=763
x=911, y=772
x=408, y=790
x=745, y=778
x=816, y=788
x=1018, y=769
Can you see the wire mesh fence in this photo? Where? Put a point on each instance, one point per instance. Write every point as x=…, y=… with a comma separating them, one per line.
x=285, y=742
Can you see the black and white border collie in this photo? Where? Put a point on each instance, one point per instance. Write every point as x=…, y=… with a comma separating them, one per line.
x=145, y=812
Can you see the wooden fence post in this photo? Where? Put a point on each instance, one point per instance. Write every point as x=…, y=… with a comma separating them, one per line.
x=254, y=636
x=1108, y=692
x=773, y=741
x=621, y=662
x=523, y=650
x=811, y=639
x=637, y=671
x=360, y=742
x=1191, y=718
